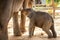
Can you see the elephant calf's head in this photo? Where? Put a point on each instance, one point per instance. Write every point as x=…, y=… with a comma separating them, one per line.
x=27, y=11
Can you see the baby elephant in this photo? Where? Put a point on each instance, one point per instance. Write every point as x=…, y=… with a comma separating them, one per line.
x=42, y=20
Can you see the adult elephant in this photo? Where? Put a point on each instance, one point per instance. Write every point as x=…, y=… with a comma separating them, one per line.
x=9, y=8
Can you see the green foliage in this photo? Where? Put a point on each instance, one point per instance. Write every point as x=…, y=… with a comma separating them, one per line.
x=48, y=1
x=56, y=1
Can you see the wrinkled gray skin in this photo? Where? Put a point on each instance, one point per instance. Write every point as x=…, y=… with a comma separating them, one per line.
x=7, y=8
x=42, y=20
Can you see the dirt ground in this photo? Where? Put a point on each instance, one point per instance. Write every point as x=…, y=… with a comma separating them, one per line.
x=33, y=38
x=39, y=34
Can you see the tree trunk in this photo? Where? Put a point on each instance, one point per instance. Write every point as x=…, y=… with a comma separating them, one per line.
x=53, y=5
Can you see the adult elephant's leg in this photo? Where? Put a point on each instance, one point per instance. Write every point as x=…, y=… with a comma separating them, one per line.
x=5, y=14
x=26, y=3
x=30, y=2
x=22, y=22
x=17, y=4
x=23, y=18
x=3, y=32
x=17, y=31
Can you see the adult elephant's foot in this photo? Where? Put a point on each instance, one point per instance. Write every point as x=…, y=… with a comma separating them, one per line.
x=17, y=34
x=23, y=30
x=3, y=36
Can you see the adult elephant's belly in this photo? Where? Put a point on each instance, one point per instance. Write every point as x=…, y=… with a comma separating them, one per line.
x=17, y=5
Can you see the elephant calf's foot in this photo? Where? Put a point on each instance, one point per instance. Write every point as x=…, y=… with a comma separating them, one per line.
x=50, y=36
x=54, y=36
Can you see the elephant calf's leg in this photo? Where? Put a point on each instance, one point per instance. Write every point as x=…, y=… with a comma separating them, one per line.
x=31, y=29
x=53, y=31
x=46, y=28
x=17, y=31
x=48, y=33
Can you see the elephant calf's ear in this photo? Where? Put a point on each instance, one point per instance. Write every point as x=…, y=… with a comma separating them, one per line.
x=30, y=15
